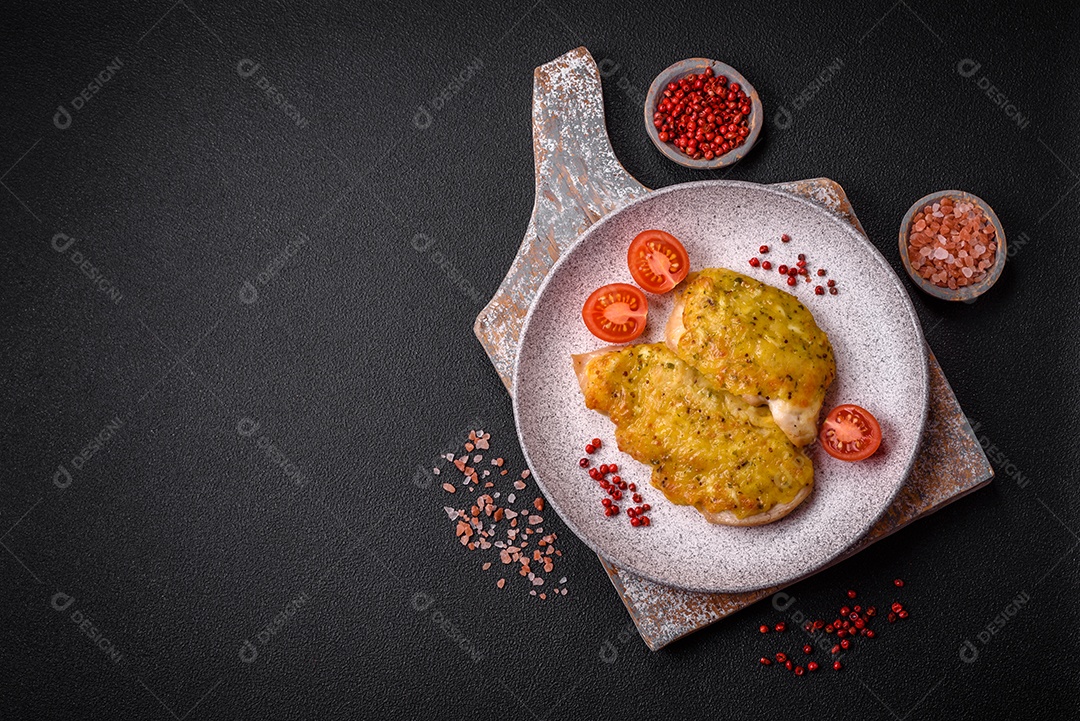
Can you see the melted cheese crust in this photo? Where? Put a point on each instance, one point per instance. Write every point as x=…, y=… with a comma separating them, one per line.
x=706, y=447
x=754, y=340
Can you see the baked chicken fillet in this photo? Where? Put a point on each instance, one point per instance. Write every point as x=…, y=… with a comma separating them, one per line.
x=757, y=342
x=707, y=448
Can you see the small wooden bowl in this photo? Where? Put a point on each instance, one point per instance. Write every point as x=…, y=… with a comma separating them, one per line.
x=969, y=292
x=697, y=65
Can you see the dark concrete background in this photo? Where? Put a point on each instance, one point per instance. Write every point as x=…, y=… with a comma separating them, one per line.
x=179, y=180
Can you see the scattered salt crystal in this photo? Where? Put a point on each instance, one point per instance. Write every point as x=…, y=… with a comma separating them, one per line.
x=941, y=253
x=472, y=533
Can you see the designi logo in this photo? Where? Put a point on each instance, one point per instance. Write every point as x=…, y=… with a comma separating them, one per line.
x=248, y=652
x=248, y=293
x=62, y=601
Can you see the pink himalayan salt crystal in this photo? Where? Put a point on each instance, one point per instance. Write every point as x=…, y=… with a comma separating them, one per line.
x=965, y=242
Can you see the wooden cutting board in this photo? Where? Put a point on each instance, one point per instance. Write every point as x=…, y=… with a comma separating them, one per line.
x=578, y=180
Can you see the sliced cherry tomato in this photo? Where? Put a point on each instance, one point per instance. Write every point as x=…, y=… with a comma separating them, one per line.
x=850, y=433
x=658, y=261
x=616, y=313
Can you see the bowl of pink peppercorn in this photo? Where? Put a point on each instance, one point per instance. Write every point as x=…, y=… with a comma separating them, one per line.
x=703, y=114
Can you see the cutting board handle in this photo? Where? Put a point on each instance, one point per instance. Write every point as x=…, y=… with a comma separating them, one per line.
x=578, y=181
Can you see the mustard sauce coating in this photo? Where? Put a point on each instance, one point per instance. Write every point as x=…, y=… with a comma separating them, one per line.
x=753, y=339
x=706, y=447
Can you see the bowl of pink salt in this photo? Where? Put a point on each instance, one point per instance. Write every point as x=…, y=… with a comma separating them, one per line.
x=952, y=245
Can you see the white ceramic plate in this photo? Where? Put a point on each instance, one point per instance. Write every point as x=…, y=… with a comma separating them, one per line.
x=881, y=365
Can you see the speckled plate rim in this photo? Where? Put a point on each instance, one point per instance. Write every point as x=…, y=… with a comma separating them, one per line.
x=693, y=65
x=969, y=293
x=923, y=370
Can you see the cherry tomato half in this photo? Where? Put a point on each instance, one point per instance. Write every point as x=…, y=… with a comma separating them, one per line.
x=616, y=313
x=850, y=433
x=658, y=261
